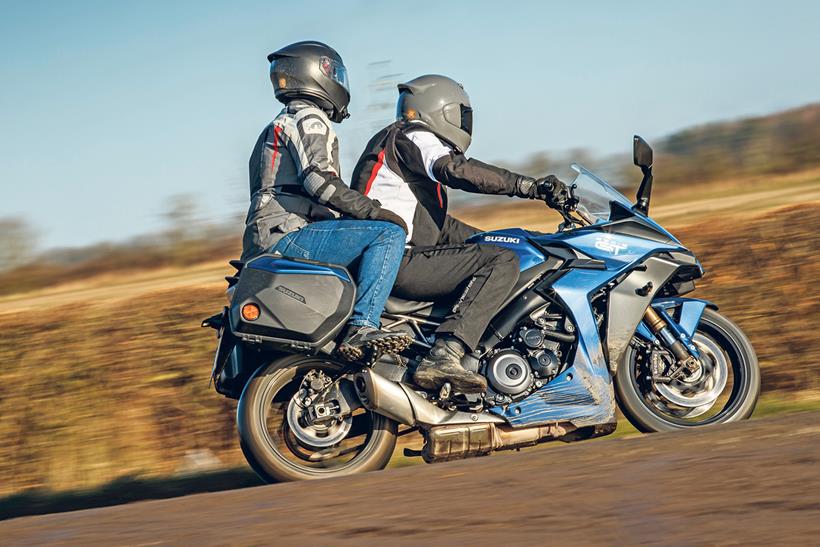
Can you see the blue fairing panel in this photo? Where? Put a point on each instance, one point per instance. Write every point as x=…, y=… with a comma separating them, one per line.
x=515, y=239
x=583, y=393
x=281, y=265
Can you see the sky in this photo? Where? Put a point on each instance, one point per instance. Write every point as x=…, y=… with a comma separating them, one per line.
x=109, y=109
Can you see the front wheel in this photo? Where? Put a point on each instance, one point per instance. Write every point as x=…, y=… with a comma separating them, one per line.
x=285, y=439
x=724, y=389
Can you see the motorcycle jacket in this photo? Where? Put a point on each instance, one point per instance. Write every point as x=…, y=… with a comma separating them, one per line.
x=408, y=170
x=294, y=178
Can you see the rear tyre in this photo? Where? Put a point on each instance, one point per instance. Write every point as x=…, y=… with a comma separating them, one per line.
x=652, y=407
x=278, y=452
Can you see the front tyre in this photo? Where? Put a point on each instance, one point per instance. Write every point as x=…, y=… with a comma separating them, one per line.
x=282, y=444
x=726, y=390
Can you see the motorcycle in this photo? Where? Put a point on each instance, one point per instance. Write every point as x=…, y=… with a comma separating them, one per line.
x=597, y=319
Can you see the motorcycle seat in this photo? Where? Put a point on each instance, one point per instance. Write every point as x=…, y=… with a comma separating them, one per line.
x=402, y=306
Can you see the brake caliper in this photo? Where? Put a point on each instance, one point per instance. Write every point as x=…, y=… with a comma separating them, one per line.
x=313, y=398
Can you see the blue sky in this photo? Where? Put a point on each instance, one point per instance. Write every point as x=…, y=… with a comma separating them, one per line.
x=107, y=109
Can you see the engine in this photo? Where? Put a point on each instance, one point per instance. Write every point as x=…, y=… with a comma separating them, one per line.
x=535, y=353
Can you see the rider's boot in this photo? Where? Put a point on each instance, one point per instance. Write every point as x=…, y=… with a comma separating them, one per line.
x=443, y=364
x=359, y=339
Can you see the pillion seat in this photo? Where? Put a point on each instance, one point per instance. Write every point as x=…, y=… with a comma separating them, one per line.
x=401, y=306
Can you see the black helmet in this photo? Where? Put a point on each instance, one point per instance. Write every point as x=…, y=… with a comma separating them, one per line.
x=314, y=71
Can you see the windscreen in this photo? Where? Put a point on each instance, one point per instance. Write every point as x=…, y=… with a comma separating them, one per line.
x=595, y=196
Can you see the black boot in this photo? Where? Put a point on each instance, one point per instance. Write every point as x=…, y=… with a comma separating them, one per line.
x=357, y=340
x=443, y=364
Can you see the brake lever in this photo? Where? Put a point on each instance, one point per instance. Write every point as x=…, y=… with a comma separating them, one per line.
x=567, y=208
x=569, y=222
x=585, y=217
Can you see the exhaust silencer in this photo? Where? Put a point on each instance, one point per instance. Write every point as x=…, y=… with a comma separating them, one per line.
x=455, y=442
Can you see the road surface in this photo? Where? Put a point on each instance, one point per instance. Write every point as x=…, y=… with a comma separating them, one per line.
x=753, y=483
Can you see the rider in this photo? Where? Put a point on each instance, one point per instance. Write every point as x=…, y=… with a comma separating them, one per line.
x=406, y=166
x=297, y=195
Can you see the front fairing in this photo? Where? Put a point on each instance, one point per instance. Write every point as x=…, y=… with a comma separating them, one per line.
x=649, y=223
x=605, y=242
x=618, y=236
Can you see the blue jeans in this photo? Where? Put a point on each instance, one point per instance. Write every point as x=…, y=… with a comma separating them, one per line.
x=379, y=244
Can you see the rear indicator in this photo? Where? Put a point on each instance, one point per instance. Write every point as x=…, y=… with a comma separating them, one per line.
x=250, y=312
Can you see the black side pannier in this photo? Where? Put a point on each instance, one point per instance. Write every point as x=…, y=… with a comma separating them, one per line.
x=292, y=302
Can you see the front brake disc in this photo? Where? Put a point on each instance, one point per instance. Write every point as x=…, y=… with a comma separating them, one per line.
x=701, y=394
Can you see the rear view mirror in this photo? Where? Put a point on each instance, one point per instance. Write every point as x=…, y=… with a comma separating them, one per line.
x=642, y=156
x=641, y=153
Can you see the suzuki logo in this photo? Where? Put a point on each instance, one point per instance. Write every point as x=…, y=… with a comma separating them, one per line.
x=293, y=294
x=502, y=239
x=608, y=244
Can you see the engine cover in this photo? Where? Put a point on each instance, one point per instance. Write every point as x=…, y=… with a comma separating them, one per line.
x=509, y=372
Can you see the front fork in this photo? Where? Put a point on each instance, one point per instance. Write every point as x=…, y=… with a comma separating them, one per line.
x=674, y=338
x=670, y=333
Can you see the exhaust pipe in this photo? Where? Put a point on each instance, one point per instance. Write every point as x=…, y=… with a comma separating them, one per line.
x=449, y=435
x=384, y=397
x=400, y=403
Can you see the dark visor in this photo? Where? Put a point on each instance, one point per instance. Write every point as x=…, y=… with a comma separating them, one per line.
x=467, y=119
x=334, y=70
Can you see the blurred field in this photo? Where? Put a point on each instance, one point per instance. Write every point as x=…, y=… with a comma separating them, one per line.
x=106, y=379
x=675, y=207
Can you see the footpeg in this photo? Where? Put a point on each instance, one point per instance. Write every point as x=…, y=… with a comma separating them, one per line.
x=411, y=453
x=444, y=392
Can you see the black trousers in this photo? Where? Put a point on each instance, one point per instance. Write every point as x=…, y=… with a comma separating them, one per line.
x=483, y=274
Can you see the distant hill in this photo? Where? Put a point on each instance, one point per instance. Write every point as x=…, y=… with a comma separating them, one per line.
x=777, y=143
x=780, y=143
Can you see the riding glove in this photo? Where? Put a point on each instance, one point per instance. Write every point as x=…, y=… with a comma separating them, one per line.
x=389, y=216
x=549, y=189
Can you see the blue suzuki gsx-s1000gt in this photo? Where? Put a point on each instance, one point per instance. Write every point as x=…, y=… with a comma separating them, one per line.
x=598, y=318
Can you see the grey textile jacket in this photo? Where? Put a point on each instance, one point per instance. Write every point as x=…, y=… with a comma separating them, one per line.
x=294, y=179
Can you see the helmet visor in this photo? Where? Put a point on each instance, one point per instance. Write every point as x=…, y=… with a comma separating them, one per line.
x=467, y=119
x=334, y=70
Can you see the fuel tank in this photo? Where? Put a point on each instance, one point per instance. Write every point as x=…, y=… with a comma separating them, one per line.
x=516, y=240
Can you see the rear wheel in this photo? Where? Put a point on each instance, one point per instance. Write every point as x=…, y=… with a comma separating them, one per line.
x=724, y=389
x=284, y=439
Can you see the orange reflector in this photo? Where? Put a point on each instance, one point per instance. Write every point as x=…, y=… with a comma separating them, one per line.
x=250, y=312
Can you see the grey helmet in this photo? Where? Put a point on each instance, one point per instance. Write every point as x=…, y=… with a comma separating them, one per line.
x=441, y=104
x=313, y=71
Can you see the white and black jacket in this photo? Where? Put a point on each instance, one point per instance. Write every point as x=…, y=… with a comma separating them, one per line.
x=294, y=178
x=408, y=169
